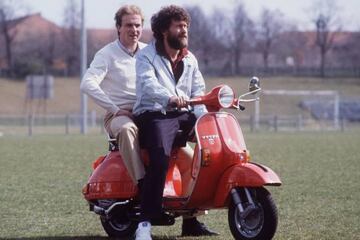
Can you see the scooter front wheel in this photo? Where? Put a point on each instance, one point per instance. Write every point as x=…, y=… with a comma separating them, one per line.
x=258, y=223
x=118, y=227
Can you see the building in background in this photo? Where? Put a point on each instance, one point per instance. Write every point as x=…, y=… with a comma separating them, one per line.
x=39, y=46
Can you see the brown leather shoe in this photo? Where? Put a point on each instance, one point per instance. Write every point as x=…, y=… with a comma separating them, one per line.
x=192, y=227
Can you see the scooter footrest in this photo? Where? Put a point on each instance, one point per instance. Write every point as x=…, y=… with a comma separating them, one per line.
x=175, y=199
x=164, y=220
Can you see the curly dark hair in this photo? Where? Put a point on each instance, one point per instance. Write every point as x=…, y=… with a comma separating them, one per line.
x=161, y=21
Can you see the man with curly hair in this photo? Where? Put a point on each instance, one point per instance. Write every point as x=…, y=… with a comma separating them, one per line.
x=167, y=75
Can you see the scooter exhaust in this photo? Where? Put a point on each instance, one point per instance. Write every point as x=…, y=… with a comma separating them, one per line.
x=106, y=212
x=98, y=210
x=134, y=214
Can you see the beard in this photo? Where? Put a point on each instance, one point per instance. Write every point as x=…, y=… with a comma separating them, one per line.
x=177, y=42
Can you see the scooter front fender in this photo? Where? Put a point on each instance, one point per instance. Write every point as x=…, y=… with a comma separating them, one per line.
x=244, y=175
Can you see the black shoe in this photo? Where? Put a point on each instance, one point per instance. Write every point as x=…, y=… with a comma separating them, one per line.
x=140, y=184
x=192, y=227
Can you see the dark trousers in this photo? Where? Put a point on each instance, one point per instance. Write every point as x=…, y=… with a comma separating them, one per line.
x=157, y=133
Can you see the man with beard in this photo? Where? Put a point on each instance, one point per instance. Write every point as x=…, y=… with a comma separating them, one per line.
x=167, y=76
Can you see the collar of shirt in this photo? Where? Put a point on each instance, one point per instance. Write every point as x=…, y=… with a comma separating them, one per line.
x=161, y=51
x=177, y=66
x=132, y=54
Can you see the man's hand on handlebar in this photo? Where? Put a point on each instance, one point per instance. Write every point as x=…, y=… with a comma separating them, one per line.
x=179, y=102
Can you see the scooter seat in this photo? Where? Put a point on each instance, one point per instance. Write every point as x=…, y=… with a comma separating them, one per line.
x=180, y=141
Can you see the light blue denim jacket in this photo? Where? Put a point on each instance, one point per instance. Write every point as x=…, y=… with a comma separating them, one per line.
x=155, y=82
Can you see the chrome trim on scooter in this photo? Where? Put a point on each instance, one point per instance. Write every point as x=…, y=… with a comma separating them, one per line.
x=105, y=212
x=114, y=205
x=197, y=134
x=240, y=99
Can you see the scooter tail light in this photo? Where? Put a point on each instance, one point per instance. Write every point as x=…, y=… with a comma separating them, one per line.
x=205, y=157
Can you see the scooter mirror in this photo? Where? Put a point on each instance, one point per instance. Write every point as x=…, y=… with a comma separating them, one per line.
x=254, y=85
x=226, y=96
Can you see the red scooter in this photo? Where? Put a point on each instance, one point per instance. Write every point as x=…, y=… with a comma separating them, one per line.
x=218, y=175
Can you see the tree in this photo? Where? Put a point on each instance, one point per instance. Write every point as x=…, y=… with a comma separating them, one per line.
x=7, y=15
x=200, y=36
x=221, y=46
x=269, y=29
x=71, y=34
x=46, y=49
x=326, y=23
x=231, y=33
x=242, y=28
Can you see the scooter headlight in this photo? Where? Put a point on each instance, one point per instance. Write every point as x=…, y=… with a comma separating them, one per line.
x=226, y=96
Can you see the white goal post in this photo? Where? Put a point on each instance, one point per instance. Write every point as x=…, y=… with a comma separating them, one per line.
x=329, y=93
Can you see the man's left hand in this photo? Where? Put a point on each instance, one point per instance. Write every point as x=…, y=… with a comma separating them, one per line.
x=179, y=102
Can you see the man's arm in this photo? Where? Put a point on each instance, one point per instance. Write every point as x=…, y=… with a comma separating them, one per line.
x=90, y=83
x=147, y=82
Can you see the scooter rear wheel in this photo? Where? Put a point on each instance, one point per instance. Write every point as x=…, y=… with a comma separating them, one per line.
x=119, y=227
x=260, y=224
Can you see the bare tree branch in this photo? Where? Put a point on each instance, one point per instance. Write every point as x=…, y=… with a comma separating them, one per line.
x=71, y=35
x=242, y=32
x=202, y=39
x=7, y=15
x=270, y=27
x=327, y=24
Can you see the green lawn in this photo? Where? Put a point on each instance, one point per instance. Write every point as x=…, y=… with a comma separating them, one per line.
x=41, y=180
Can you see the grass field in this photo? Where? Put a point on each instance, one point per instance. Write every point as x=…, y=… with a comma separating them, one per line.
x=67, y=93
x=41, y=180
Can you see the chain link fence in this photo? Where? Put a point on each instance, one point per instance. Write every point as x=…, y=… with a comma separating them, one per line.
x=29, y=125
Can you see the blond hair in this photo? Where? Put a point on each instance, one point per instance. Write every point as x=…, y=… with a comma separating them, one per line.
x=128, y=10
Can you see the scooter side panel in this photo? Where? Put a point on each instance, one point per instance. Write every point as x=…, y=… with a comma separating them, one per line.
x=244, y=175
x=208, y=137
x=110, y=180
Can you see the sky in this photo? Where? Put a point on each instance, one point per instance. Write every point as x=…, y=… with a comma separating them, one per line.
x=100, y=13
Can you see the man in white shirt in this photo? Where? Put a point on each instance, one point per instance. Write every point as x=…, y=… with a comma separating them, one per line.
x=111, y=81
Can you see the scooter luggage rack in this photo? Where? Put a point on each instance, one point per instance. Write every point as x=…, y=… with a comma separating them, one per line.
x=113, y=143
